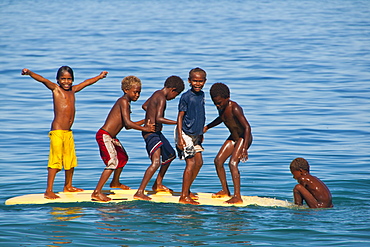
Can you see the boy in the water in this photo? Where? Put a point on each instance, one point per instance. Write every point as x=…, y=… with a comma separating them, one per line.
x=62, y=147
x=236, y=146
x=156, y=143
x=111, y=150
x=310, y=189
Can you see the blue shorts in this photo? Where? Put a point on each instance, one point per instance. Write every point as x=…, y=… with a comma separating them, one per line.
x=158, y=140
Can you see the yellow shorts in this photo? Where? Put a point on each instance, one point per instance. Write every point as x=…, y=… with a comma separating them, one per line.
x=62, y=150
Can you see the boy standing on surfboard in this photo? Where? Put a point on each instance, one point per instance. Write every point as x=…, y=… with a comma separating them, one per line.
x=62, y=148
x=156, y=143
x=237, y=144
x=111, y=150
x=310, y=189
x=189, y=131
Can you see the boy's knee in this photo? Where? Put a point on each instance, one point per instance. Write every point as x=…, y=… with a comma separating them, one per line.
x=155, y=164
x=215, y=161
x=54, y=169
x=297, y=188
x=233, y=164
x=218, y=162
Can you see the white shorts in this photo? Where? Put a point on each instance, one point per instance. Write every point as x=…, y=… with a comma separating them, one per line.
x=193, y=145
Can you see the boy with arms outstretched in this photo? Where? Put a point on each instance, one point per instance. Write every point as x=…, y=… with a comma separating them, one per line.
x=156, y=143
x=111, y=150
x=62, y=148
x=237, y=144
x=189, y=131
x=310, y=189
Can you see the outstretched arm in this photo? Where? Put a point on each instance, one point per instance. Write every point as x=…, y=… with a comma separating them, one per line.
x=212, y=124
x=141, y=122
x=49, y=84
x=125, y=113
x=90, y=81
x=160, y=113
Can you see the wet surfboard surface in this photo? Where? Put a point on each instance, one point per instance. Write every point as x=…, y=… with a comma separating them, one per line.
x=119, y=196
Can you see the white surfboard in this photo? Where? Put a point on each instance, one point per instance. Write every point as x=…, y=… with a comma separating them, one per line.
x=127, y=195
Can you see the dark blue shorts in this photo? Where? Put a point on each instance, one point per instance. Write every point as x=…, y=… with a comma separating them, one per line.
x=158, y=140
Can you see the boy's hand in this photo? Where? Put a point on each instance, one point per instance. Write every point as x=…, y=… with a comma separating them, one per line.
x=103, y=74
x=150, y=127
x=244, y=155
x=25, y=72
x=181, y=143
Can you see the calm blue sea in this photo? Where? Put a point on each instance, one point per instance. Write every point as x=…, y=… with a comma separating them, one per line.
x=299, y=69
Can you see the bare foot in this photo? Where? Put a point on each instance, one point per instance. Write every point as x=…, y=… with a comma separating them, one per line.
x=141, y=196
x=50, y=195
x=188, y=200
x=158, y=188
x=193, y=196
x=72, y=189
x=221, y=194
x=120, y=186
x=96, y=196
x=234, y=200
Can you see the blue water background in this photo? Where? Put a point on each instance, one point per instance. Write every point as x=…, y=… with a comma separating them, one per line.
x=299, y=69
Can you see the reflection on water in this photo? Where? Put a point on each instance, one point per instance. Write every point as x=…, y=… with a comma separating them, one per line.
x=190, y=225
x=66, y=214
x=60, y=214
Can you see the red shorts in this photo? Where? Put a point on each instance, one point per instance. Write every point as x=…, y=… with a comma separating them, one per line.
x=111, y=150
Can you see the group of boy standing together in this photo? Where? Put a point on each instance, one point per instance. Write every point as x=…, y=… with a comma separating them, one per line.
x=189, y=131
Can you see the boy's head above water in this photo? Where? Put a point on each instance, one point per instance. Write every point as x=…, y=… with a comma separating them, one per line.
x=64, y=69
x=197, y=70
x=221, y=90
x=65, y=77
x=197, y=79
x=299, y=164
x=131, y=86
x=130, y=81
x=175, y=82
x=220, y=95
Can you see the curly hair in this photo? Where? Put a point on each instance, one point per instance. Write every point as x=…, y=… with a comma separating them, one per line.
x=129, y=81
x=175, y=82
x=220, y=89
x=197, y=70
x=299, y=163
